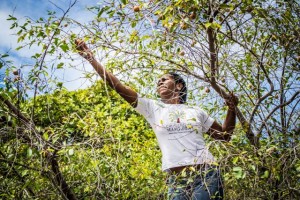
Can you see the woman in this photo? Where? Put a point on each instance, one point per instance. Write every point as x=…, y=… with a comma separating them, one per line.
x=179, y=130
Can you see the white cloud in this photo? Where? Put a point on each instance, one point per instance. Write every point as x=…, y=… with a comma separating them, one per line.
x=71, y=77
x=7, y=40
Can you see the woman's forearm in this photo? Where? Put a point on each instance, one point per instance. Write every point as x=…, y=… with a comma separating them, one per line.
x=229, y=123
x=126, y=92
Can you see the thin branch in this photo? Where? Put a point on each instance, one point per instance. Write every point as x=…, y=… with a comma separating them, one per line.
x=17, y=173
x=260, y=100
x=19, y=164
x=276, y=108
x=45, y=53
x=282, y=98
x=14, y=109
x=292, y=112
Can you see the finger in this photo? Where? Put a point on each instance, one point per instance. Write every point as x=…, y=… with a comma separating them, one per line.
x=84, y=47
x=80, y=45
x=235, y=98
x=77, y=41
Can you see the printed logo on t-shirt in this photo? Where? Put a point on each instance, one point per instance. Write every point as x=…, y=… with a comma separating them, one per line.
x=175, y=116
x=177, y=123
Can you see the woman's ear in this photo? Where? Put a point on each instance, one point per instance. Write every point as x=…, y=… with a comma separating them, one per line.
x=178, y=87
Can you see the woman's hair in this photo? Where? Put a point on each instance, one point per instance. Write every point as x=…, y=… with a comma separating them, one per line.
x=183, y=92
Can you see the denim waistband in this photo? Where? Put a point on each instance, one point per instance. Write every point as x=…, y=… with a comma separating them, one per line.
x=192, y=168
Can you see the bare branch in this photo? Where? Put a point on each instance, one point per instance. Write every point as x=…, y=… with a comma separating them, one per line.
x=276, y=108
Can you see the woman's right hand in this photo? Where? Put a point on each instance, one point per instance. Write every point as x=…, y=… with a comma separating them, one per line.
x=83, y=50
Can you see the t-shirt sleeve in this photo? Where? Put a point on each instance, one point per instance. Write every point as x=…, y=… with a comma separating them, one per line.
x=145, y=107
x=206, y=120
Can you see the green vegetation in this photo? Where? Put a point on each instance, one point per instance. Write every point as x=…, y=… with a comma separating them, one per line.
x=104, y=148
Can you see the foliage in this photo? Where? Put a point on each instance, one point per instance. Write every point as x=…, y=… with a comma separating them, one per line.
x=247, y=47
x=105, y=149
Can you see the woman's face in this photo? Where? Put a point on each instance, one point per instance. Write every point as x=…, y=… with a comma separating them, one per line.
x=166, y=86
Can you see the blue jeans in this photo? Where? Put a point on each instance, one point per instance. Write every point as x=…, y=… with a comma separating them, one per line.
x=198, y=185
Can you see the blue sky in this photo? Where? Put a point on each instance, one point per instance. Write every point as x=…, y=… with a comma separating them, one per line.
x=36, y=9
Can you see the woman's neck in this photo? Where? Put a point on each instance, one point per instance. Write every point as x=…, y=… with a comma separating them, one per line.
x=173, y=100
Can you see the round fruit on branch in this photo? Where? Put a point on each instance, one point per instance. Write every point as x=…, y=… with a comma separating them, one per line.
x=136, y=9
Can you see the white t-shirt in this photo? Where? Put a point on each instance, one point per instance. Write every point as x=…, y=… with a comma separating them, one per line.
x=179, y=130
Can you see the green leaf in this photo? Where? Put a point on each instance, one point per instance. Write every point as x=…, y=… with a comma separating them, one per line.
x=24, y=173
x=215, y=25
x=266, y=174
x=236, y=169
x=124, y=2
x=235, y=160
x=46, y=136
x=207, y=25
x=100, y=12
x=70, y=130
x=60, y=65
x=59, y=84
x=64, y=47
x=133, y=24
x=238, y=172
x=4, y=55
x=29, y=152
x=11, y=18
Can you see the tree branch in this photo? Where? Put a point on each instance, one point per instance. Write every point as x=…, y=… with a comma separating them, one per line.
x=213, y=66
x=260, y=100
x=14, y=109
x=17, y=173
x=66, y=190
x=41, y=62
x=276, y=108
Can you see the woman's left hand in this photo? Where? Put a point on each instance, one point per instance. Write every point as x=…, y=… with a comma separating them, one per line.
x=232, y=101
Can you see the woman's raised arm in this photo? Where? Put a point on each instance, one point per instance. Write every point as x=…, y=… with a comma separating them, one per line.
x=224, y=132
x=126, y=92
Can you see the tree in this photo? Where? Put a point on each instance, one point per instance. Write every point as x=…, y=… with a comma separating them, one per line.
x=90, y=145
x=246, y=47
